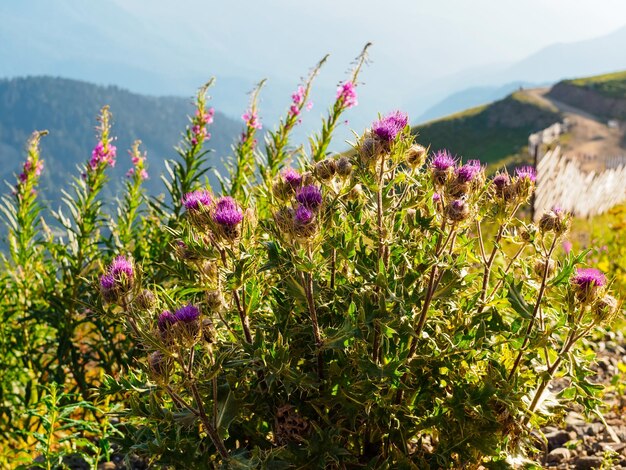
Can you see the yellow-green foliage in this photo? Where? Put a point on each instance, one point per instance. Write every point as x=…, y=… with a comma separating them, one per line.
x=610, y=84
x=604, y=235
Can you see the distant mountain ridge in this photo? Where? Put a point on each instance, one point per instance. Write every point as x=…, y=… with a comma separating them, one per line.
x=68, y=110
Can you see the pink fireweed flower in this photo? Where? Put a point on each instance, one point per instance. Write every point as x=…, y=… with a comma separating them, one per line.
x=292, y=177
x=103, y=154
x=195, y=200
x=469, y=171
x=309, y=196
x=31, y=170
x=309, y=106
x=388, y=128
x=346, y=95
x=526, y=172
x=567, y=246
x=252, y=120
x=205, y=117
x=187, y=314
x=442, y=160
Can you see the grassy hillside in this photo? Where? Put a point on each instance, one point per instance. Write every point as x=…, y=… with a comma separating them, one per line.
x=612, y=85
x=492, y=132
x=68, y=108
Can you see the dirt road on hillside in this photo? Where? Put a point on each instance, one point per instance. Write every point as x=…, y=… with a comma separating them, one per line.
x=589, y=135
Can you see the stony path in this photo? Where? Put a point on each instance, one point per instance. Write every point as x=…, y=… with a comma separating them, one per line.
x=580, y=444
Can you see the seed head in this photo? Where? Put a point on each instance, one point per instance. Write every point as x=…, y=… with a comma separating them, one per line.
x=344, y=167
x=605, y=309
x=416, y=156
x=457, y=210
x=325, y=169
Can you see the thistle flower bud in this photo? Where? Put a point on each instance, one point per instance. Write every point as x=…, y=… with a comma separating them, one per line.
x=214, y=300
x=540, y=268
x=458, y=210
x=588, y=284
x=605, y=309
x=307, y=179
x=145, y=300
x=500, y=182
x=282, y=190
x=528, y=233
x=284, y=220
x=370, y=150
x=325, y=169
x=166, y=320
x=159, y=365
x=416, y=156
x=344, y=167
x=555, y=221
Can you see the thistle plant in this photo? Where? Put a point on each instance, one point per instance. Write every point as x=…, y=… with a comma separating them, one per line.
x=383, y=308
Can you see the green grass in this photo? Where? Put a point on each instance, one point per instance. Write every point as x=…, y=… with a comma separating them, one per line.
x=492, y=132
x=612, y=85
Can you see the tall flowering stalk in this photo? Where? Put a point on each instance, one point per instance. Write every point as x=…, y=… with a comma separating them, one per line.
x=242, y=173
x=184, y=175
x=277, y=141
x=134, y=196
x=346, y=98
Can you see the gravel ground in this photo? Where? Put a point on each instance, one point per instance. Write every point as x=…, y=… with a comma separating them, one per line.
x=581, y=444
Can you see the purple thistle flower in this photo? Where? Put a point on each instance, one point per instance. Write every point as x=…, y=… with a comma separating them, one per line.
x=227, y=212
x=526, y=172
x=469, y=171
x=388, y=128
x=292, y=177
x=187, y=314
x=346, y=94
x=567, y=246
x=107, y=282
x=121, y=268
x=303, y=215
x=436, y=197
x=309, y=196
x=443, y=160
x=226, y=202
x=586, y=278
x=166, y=320
x=194, y=200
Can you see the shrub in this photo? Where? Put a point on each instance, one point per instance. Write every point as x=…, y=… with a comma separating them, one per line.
x=318, y=310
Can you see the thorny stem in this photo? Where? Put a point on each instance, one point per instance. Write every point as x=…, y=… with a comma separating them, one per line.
x=211, y=431
x=381, y=255
x=492, y=256
x=573, y=336
x=308, y=288
x=535, y=310
x=245, y=322
x=506, y=270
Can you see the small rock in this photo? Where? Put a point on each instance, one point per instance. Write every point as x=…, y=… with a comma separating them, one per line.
x=588, y=462
x=594, y=428
x=558, y=455
x=556, y=439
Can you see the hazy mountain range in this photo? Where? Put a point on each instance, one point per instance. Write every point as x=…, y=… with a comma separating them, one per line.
x=122, y=43
x=68, y=110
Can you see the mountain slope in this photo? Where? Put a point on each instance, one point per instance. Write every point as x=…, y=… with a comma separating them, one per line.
x=602, y=95
x=68, y=110
x=491, y=132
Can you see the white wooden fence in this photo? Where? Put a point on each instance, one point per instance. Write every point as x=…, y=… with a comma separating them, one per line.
x=561, y=182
